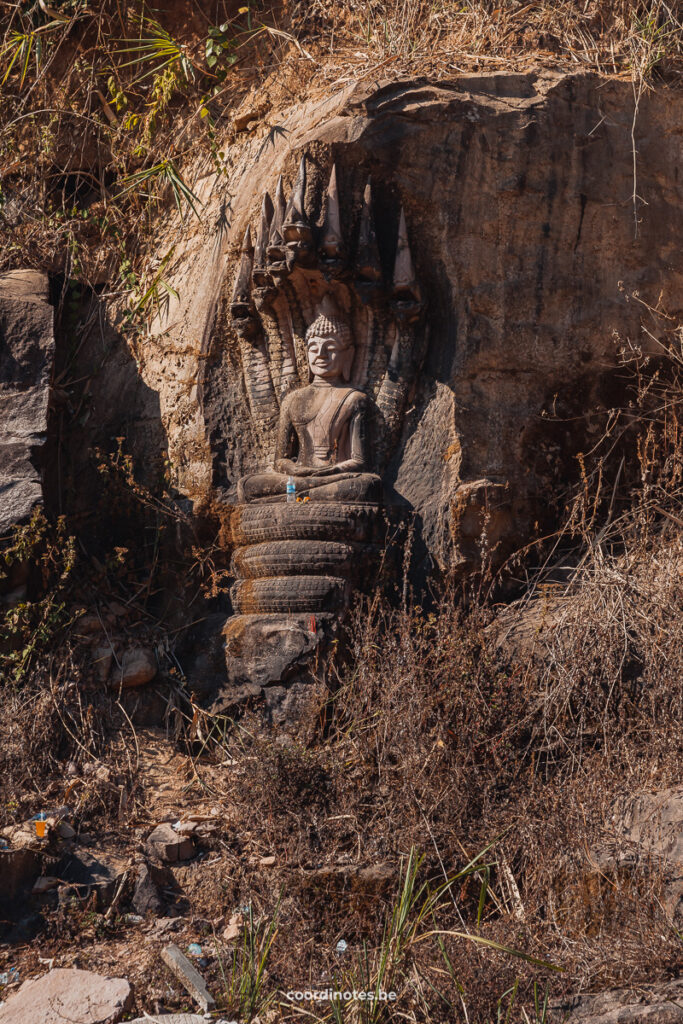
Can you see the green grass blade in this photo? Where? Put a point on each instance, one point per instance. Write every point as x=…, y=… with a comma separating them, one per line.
x=497, y=946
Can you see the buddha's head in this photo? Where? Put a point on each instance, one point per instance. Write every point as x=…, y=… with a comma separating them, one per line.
x=330, y=348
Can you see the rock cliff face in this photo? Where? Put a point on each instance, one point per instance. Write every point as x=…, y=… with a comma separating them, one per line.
x=533, y=257
x=26, y=355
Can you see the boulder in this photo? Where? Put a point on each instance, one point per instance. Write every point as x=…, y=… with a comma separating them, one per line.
x=69, y=994
x=98, y=872
x=264, y=650
x=26, y=357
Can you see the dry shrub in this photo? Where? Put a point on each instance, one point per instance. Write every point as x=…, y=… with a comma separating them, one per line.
x=444, y=741
x=608, y=661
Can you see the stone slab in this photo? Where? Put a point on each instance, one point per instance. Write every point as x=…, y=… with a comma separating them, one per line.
x=69, y=994
x=188, y=976
x=170, y=1018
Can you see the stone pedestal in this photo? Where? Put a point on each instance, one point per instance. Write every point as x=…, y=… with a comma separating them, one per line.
x=296, y=566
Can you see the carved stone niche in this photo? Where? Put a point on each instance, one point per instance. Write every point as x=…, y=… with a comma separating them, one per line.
x=330, y=353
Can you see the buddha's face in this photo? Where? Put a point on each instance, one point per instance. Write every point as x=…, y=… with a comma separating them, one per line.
x=328, y=358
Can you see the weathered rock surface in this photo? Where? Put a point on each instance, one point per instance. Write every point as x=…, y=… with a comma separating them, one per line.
x=147, y=897
x=68, y=994
x=516, y=189
x=264, y=651
x=642, y=1004
x=26, y=357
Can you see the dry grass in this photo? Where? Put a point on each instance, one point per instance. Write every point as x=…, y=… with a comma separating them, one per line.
x=443, y=37
x=442, y=740
x=102, y=107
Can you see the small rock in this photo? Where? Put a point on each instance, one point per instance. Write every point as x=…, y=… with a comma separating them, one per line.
x=267, y=862
x=68, y=994
x=138, y=666
x=147, y=898
x=102, y=658
x=168, y=846
x=65, y=830
x=88, y=625
x=234, y=927
x=44, y=884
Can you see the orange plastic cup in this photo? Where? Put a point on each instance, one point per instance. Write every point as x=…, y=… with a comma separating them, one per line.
x=41, y=829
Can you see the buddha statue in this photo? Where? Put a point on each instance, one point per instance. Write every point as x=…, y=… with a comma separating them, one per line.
x=321, y=440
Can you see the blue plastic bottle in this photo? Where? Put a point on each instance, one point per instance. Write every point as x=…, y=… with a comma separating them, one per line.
x=291, y=489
